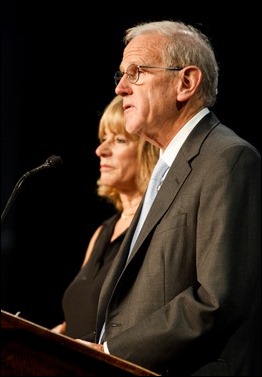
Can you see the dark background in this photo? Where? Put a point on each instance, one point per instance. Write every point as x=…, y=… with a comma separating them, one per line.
x=58, y=61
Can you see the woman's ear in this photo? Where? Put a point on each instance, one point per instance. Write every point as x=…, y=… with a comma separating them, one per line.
x=190, y=78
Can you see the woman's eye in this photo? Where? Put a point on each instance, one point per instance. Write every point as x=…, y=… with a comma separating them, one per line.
x=120, y=140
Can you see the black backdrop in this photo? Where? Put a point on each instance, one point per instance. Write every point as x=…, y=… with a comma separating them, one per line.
x=58, y=62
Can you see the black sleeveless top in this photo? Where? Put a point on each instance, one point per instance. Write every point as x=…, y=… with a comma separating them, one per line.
x=80, y=299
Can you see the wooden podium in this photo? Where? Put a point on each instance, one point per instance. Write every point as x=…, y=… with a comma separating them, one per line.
x=28, y=349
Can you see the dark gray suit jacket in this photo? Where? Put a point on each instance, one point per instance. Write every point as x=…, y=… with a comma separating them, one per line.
x=188, y=300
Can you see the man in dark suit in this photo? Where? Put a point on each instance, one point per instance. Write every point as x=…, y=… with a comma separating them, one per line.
x=185, y=299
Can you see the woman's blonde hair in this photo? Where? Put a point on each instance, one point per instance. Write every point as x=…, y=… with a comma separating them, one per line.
x=113, y=120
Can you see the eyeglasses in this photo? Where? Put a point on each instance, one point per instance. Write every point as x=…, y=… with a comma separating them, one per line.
x=133, y=72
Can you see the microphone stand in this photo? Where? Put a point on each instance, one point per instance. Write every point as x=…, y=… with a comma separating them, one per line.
x=13, y=196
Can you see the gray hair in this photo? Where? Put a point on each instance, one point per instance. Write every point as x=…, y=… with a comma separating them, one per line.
x=185, y=46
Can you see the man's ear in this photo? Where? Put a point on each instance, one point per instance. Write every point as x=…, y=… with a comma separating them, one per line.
x=190, y=78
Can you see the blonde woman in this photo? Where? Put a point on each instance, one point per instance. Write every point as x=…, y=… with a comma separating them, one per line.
x=126, y=163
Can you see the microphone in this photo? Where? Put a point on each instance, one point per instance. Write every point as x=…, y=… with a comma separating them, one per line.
x=51, y=162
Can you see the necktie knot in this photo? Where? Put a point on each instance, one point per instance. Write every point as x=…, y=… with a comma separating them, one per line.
x=155, y=181
x=159, y=171
x=154, y=184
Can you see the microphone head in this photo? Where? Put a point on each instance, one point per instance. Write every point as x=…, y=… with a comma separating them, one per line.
x=54, y=161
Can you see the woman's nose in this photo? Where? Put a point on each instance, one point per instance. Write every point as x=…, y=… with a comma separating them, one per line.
x=102, y=149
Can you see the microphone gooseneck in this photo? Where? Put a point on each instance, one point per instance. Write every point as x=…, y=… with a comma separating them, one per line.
x=51, y=162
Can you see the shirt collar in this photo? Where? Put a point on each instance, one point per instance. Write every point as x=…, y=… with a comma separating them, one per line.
x=169, y=154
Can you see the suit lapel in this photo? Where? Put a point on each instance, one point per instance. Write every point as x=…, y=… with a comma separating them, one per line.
x=175, y=178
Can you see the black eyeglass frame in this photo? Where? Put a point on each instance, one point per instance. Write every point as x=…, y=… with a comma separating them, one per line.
x=119, y=74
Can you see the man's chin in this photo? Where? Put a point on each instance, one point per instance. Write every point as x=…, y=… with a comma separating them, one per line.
x=132, y=129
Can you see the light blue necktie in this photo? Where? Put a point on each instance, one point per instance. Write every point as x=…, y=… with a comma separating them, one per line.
x=153, y=187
